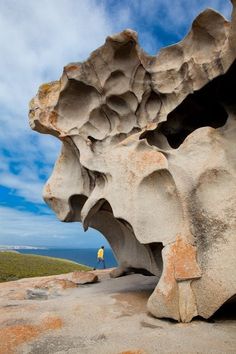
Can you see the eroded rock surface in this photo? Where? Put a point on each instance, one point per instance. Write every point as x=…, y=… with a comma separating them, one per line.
x=83, y=278
x=148, y=159
x=109, y=316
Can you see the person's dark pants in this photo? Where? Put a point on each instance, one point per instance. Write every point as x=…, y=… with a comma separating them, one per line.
x=101, y=261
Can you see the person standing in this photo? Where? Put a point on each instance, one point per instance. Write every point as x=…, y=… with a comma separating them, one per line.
x=100, y=257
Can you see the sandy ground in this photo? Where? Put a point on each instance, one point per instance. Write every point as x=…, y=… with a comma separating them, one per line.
x=108, y=317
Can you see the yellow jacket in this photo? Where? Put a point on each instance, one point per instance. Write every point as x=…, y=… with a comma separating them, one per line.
x=100, y=253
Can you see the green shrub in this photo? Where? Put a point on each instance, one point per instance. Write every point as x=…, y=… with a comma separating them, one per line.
x=15, y=266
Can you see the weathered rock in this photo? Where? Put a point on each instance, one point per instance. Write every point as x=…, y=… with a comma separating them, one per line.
x=117, y=272
x=36, y=294
x=55, y=284
x=14, y=335
x=138, y=351
x=83, y=278
x=148, y=159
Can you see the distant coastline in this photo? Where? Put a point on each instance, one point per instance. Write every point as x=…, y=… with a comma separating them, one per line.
x=86, y=256
x=12, y=247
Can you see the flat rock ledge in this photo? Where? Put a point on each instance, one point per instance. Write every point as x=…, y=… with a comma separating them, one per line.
x=109, y=316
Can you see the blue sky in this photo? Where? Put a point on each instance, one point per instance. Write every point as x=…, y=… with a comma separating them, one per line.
x=37, y=38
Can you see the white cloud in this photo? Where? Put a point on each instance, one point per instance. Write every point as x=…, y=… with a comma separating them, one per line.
x=37, y=38
x=174, y=17
x=20, y=227
x=28, y=187
x=177, y=13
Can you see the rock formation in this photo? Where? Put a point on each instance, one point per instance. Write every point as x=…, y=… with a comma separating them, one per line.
x=148, y=159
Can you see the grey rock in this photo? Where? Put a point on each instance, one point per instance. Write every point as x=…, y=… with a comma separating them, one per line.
x=33, y=294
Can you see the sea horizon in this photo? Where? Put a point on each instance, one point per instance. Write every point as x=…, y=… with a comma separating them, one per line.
x=47, y=247
x=86, y=256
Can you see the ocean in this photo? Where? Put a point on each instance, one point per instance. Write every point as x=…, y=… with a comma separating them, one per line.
x=87, y=256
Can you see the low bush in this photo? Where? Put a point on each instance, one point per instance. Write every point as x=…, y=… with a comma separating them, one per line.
x=15, y=266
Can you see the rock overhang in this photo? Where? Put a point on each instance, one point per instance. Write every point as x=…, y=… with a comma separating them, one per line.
x=147, y=159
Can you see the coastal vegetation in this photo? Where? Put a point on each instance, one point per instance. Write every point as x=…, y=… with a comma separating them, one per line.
x=15, y=266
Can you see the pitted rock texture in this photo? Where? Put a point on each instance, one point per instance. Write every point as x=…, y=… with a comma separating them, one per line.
x=148, y=159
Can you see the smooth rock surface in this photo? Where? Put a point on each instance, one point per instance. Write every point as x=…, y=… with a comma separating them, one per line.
x=108, y=317
x=148, y=158
x=83, y=277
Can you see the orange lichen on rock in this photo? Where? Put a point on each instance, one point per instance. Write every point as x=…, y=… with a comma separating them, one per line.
x=13, y=336
x=71, y=67
x=139, y=351
x=56, y=284
x=185, y=261
x=51, y=323
x=53, y=118
x=48, y=93
x=168, y=277
x=150, y=158
x=83, y=277
x=181, y=263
